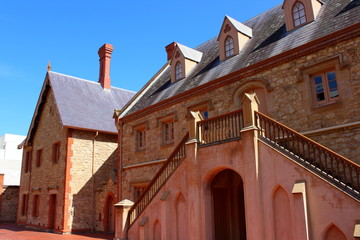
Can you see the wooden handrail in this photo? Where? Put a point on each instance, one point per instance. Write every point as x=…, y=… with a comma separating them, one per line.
x=335, y=168
x=158, y=180
x=220, y=128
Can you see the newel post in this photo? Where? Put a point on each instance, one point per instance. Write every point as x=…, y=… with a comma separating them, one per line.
x=250, y=105
x=121, y=214
x=194, y=132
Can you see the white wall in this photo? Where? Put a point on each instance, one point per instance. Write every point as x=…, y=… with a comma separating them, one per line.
x=10, y=158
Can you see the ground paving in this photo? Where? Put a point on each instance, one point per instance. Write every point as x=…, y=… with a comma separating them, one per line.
x=9, y=231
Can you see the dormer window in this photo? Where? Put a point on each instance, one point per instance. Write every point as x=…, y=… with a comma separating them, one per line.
x=183, y=61
x=229, y=47
x=300, y=12
x=178, y=71
x=299, y=15
x=232, y=37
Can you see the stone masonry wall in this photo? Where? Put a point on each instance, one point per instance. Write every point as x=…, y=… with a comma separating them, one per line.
x=93, y=175
x=9, y=204
x=49, y=177
x=288, y=100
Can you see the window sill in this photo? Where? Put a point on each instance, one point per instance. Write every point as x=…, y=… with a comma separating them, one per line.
x=316, y=106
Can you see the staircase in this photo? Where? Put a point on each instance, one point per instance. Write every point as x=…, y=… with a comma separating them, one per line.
x=164, y=173
x=320, y=160
x=329, y=165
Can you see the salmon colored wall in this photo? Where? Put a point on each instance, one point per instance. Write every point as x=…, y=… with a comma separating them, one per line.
x=268, y=179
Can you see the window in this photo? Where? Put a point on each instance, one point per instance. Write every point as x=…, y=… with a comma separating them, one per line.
x=138, y=191
x=38, y=157
x=140, y=139
x=36, y=204
x=178, y=71
x=56, y=152
x=168, y=132
x=325, y=87
x=229, y=47
x=299, y=16
x=27, y=167
x=24, y=204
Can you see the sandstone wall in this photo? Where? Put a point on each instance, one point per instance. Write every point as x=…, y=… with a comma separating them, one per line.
x=49, y=177
x=9, y=204
x=93, y=174
x=288, y=100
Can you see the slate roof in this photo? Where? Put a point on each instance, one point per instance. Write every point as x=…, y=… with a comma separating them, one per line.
x=85, y=104
x=270, y=38
x=190, y=53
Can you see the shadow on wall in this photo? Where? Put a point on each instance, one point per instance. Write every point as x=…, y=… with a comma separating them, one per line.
x=89, y=203
x=9, y=204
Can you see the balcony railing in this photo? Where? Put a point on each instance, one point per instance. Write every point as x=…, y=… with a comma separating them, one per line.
x=158, y=181
x=335, y=168
x=220, y=128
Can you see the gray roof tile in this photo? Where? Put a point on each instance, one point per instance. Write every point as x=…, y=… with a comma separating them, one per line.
x=270, y=38
x=85, y=104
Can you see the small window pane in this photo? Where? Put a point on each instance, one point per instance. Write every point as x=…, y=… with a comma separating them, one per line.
x=331, y=76
x=320, y=96
x=334, y=93
x=332, y=85
x=229, y=47
x=319, y=88
x=317, y=80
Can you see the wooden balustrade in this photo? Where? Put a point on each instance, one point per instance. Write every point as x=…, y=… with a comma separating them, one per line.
x=220, y=128
x=159, y=180
x=335, y=168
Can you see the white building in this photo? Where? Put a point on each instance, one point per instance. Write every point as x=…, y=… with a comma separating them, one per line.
x=10, y=158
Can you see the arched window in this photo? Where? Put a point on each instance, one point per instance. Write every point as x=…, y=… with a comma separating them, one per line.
x=299, y=15
x=229, y=46
x=178, y=71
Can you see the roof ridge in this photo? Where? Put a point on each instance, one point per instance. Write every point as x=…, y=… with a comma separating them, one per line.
x=90, y=81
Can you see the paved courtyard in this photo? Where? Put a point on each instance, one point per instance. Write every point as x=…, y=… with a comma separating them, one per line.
x=9, y=231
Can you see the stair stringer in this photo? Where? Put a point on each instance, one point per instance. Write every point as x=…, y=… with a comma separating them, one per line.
x=325, y=202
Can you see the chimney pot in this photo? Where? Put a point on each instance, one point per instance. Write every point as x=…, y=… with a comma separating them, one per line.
x=170, y=50
x=105, y=57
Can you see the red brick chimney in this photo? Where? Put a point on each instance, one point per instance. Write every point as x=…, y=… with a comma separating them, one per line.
x=105, y=56
x=170, y=49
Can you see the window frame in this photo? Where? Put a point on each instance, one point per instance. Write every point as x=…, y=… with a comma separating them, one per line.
x=140, y=139
x=28, y=161
x=167, y=130
x=55, y=156
x=325, y=84
x=300, y=18
x=39, y=157
x=24, y=204
x=36, y=205
x=178, y=71
x=229, y=48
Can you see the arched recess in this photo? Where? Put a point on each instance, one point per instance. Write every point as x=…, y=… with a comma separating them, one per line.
x=333, y=232
x=282, y=215
x=181, y=217
x=259, y=86
x=228, y=207
x=157, y=230
x=109, y=214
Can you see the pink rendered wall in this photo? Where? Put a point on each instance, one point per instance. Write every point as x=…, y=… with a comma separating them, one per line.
x=270, y=205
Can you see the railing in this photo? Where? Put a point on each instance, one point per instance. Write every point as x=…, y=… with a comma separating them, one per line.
x=221, y=128
x=158, y=181
x=335, y=168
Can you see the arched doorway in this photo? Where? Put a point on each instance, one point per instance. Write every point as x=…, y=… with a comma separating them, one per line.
x=228, y=206
x=109, y=214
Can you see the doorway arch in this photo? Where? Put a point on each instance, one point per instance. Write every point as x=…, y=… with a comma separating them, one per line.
x=227, y=195
x=109, y=223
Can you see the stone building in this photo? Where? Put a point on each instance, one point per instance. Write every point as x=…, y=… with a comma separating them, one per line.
x=68, y=178
x=254, y=134
x=10, y=165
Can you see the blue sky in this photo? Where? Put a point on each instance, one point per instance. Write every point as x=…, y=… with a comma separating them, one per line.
x=69, y=33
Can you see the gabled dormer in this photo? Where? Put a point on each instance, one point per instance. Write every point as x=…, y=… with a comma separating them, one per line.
x=232, y=37
x=300, y=12
x=183, y=60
